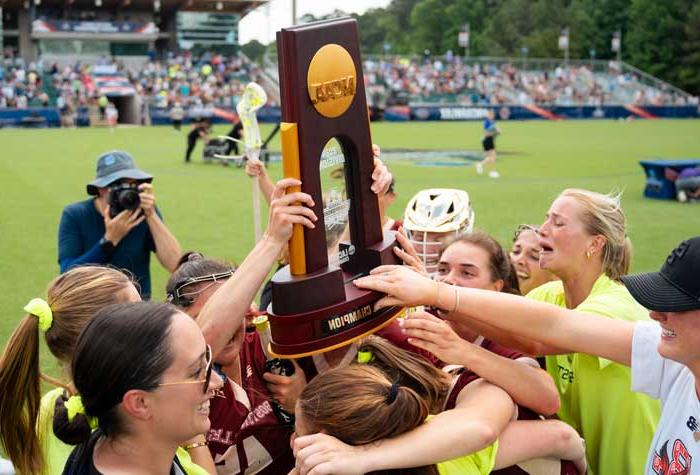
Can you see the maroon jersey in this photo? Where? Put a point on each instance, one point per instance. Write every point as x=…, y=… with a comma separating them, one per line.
x=245, y=435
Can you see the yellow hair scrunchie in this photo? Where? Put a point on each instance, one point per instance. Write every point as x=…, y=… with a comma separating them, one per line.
x=41, y=310
x=364, y=357
x=74, y=406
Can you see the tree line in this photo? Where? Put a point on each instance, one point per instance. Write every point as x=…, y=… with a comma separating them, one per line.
x=659, y=37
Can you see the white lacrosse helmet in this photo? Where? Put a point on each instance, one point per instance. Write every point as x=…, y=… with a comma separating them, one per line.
x=434, y=212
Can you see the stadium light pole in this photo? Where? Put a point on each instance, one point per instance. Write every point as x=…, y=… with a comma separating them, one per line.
x=564, y=44
x=463, y=39
x=524, y=51
x=616, y=45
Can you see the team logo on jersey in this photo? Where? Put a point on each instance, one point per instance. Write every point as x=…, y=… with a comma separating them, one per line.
x=694, y=428
x=677, y=464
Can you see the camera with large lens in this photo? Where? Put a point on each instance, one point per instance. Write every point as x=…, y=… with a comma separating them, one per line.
x=123, y=196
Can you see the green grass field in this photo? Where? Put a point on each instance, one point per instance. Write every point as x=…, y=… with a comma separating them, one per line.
x=208, y=207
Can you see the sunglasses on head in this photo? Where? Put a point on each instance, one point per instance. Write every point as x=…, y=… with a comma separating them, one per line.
x=524, y=227
x=178, y=296
x=207, y=376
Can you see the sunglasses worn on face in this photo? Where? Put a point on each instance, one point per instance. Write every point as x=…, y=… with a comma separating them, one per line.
x=207, y=376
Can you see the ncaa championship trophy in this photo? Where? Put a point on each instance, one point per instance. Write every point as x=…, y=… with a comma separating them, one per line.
x=326, y=144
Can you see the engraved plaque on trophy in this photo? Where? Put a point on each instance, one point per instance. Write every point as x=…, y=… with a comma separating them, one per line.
x=326, y=144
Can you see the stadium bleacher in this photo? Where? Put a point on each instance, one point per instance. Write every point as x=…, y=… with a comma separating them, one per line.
x=193, y=81
x=496, y=81
x=209, y=80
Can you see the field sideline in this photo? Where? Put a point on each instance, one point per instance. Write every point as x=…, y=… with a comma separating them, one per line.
x=208, y=207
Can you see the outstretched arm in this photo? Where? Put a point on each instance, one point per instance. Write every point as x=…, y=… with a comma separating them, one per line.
x=224, y=312
x=528, y=386
x=549, y=324
x=509, y=339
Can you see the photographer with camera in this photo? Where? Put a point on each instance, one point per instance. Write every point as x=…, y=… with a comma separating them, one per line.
x=120, y=226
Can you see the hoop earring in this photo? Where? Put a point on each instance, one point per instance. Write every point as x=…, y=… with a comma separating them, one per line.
x=589, y=254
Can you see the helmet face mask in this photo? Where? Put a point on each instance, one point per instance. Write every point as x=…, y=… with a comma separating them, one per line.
x=431, y=216
x=427, y=246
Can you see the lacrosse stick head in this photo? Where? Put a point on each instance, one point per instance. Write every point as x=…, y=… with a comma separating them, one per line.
x=253, y=98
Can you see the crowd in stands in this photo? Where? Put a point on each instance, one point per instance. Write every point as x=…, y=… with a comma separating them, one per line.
x=21, y=85
x=193, y=81
x=213, y=80
x=450, y=79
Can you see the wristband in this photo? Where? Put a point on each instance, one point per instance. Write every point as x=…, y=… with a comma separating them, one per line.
x=107, y=247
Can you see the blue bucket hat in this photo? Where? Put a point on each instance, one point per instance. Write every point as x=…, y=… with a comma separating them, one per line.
x=113, y=166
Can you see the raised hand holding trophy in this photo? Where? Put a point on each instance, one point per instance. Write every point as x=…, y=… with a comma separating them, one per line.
x=326, y=144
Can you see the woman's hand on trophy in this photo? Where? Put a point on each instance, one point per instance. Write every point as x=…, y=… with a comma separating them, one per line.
x=381, y=176
x=322, y=454
x=407, y=253
x=404, y=287
x=432, y=334
x=288, y=209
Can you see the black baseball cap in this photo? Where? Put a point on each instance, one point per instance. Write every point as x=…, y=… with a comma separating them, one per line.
x=676, y=287
x=113, y=166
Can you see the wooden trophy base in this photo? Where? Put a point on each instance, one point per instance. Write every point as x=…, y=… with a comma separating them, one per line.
x=346, y=314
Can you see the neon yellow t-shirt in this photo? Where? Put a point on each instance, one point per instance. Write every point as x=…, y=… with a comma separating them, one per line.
x=188, y=465
x=596, y=396
x=478, y=463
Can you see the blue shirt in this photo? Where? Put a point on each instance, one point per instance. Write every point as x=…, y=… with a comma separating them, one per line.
x=79, y=236
x=489, y=125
